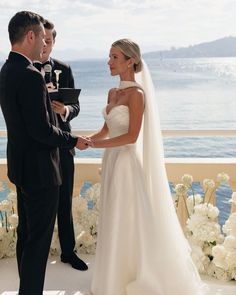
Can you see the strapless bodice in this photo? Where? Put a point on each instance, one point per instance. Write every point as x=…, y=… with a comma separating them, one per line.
x=117, y=120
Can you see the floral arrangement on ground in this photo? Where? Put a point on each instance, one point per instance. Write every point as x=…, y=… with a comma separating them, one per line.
x=213, y=247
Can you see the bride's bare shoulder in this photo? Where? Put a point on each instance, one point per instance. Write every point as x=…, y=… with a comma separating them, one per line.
x=111, y=94
x=136, y=92
x=112, y=91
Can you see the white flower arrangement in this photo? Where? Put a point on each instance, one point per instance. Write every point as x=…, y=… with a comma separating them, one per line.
x=202, y=229
x=203, y=232
x=212, y=254
x=85, y=216
x=8, y=225
x=233, y=198
x=225, y=254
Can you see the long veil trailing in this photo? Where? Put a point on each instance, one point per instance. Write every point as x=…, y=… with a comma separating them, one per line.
x=170, y=261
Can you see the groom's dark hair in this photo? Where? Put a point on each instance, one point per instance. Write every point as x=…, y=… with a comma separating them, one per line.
x=23, y=22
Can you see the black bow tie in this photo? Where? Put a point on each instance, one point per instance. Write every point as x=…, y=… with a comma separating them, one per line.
x=39, y=65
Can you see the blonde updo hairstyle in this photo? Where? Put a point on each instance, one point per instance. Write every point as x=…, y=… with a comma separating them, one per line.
x=130, y=49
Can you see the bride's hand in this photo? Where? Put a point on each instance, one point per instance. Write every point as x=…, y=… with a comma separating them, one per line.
x=88, y=141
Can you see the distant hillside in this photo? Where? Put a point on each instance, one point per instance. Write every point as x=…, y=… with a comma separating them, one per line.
x=224, y=47
x=74, y=54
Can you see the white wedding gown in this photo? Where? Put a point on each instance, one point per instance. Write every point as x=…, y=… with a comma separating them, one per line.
x=134, y=255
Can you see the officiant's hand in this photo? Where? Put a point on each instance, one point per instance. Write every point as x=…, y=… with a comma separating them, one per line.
x=58, y=107
x=82, y=143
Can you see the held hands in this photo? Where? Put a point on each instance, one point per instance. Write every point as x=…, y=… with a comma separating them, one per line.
x=83, y=143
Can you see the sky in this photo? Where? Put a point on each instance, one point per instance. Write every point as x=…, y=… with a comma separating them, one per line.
x=90, y=26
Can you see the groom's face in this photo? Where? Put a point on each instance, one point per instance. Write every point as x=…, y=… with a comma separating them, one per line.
x=117, y=62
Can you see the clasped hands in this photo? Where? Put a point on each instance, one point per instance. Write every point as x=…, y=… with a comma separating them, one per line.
x=83, y=143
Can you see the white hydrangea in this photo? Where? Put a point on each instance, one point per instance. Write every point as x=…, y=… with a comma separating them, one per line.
x=200, y=260
x=192, y=201
x=230, y=243
x=207, y=210
x=7, y=243
x=229, y=228
x=222, y=274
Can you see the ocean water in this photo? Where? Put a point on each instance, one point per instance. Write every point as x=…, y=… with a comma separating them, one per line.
x=194, y=93
x=191, y=94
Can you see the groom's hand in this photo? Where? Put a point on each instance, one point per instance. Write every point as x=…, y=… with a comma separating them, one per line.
x=82, y=143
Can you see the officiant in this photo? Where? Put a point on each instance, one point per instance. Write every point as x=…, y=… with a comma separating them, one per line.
x=65, y=113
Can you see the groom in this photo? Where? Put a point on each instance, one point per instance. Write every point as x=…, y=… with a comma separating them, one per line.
x=32, y=148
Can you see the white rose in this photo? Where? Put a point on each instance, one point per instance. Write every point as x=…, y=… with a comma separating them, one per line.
x=213, y=212
x=230, y=259
x=219, y=252
x=201, y=209
x=211, y=269
x=222, y=274
x=187, y=179
x=198, y=258
x=229, y=227
x=230, y=242
x=223, y=177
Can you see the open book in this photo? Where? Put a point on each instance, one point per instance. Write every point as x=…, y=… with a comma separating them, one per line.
x=65, y=95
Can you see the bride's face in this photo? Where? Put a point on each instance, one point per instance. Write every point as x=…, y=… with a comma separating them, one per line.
x=117, y=62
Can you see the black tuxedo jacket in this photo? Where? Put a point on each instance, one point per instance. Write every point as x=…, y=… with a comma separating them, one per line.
x=66, y=80
x=33, y=138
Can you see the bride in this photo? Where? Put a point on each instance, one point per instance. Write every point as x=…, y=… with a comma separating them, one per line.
x=141, y=249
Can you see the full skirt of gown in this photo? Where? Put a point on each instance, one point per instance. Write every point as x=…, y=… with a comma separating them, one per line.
x=131, y=258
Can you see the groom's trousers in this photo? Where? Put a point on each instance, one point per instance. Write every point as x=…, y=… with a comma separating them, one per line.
x=37, y=211
x=64, y=214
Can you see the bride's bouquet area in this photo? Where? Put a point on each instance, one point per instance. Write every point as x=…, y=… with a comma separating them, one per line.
x=213, y=248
